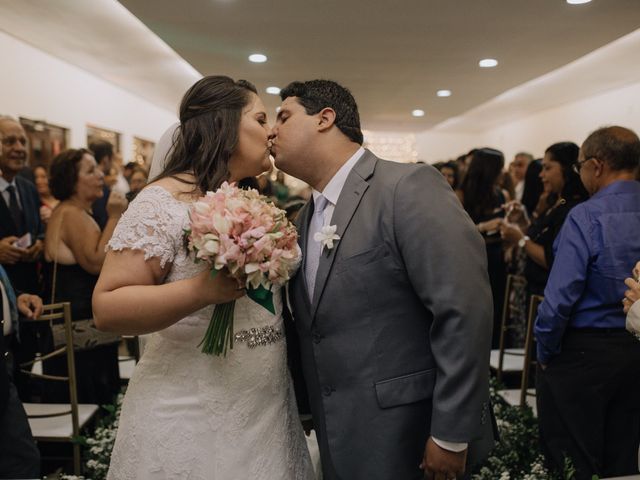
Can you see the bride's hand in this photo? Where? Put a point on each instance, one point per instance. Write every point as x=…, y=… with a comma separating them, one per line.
x=219, y=289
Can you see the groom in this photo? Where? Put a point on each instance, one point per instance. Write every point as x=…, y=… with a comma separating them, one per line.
x=394, y=319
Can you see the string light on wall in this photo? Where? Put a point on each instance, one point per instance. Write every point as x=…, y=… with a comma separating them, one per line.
x=397, y=147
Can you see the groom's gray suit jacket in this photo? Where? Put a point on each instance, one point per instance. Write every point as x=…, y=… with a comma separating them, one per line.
x=395, y=344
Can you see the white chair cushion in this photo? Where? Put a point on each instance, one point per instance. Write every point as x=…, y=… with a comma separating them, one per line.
x=512, y=397
x=127, y=365
x=56, y=428
x=513, y=360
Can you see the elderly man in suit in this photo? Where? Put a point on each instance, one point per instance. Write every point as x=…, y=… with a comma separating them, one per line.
x=19, y=456
x=19, y=209
x=392, y=307
x=19, y=216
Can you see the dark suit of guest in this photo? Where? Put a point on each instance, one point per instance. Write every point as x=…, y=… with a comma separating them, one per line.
x=19, y=456
x=99, y=208
x=23, y=275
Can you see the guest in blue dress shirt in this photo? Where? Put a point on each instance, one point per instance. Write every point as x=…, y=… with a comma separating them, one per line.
x=589, y=377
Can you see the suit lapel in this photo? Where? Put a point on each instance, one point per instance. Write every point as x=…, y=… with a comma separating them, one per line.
x=352, y=192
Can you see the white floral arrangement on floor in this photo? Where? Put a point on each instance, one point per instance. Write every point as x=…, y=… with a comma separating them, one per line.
x=98, y=447
x=516, y=456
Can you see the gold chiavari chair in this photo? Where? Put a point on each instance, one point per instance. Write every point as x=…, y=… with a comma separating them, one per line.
x=128, y=362
x=529, y=344
x=55, y=422
x=508, y=360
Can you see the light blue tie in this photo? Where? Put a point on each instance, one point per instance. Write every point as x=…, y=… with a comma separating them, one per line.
x=314, y=248
x=11, y=296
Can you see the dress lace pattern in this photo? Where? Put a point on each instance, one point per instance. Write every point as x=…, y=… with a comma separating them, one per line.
x=192, y=416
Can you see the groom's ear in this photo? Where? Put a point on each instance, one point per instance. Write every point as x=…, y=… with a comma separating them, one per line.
x=326, y=119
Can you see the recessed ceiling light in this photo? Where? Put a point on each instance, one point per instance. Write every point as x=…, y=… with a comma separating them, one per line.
x=273, y=90
x=257, y=58
x=577, y=2
x=443, y=93
x=418, y=113
x=488, y=62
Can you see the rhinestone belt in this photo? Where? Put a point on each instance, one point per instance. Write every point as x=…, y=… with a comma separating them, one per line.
x=259, y=337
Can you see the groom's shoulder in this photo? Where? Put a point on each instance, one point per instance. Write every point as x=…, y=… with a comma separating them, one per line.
x=391, y=172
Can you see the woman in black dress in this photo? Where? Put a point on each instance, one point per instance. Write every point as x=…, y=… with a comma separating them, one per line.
x=483, y=200
x=75, y=250
x=536, y=237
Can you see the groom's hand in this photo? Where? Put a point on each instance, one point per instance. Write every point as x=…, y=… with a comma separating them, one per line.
x=441, y=464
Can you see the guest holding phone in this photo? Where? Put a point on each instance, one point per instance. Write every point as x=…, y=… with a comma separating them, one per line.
x=19, y=211
x=21, y=234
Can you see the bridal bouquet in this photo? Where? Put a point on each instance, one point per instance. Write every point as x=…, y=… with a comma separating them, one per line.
x=242, y=232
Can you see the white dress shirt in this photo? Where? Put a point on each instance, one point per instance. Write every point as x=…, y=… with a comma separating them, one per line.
x=333, y=189
x=5, y=193
x=121, y=185
x=332, y=192
x=6, y=312
x=519, y=188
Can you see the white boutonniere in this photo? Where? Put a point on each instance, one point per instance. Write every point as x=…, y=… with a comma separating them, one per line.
x=326, y=236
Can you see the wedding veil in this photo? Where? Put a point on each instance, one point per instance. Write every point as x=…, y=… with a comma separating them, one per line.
x=162, y=150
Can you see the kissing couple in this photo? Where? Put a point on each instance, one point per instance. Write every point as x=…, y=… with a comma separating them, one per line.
x=386, y=332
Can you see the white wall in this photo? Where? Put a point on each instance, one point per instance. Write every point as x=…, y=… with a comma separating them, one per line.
x=572, y=122
x=439, y=146
x=535, y=132
x=38, y=86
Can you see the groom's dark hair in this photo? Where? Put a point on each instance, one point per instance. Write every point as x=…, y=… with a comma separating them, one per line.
x=314, y=95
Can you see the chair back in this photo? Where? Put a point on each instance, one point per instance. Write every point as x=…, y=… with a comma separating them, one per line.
x=60, y=313
x=513, y=282
x=534, y=303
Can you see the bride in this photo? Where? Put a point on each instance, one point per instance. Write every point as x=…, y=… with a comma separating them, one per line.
x=187, y=415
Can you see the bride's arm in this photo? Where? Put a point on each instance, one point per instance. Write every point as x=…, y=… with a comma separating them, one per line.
x=129, y=298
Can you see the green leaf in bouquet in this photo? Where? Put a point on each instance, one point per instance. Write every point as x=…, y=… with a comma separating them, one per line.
x=262, y=297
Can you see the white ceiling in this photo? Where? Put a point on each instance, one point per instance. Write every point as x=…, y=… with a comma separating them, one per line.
x=393, y=55
x=610, y=67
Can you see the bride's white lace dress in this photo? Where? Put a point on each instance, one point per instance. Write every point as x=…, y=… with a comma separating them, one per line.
x=192, y=416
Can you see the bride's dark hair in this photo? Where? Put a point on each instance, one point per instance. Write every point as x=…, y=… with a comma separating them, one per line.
x=210, y=114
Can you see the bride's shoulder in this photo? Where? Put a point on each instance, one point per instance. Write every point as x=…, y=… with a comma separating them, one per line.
x=180, y=189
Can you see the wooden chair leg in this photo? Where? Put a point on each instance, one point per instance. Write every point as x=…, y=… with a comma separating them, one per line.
x=534, y=302
x=76, y=460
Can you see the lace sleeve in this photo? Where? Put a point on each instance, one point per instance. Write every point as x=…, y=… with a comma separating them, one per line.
x=149, y=225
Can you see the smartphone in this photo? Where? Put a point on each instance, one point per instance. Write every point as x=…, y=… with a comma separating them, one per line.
x=24, y=241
